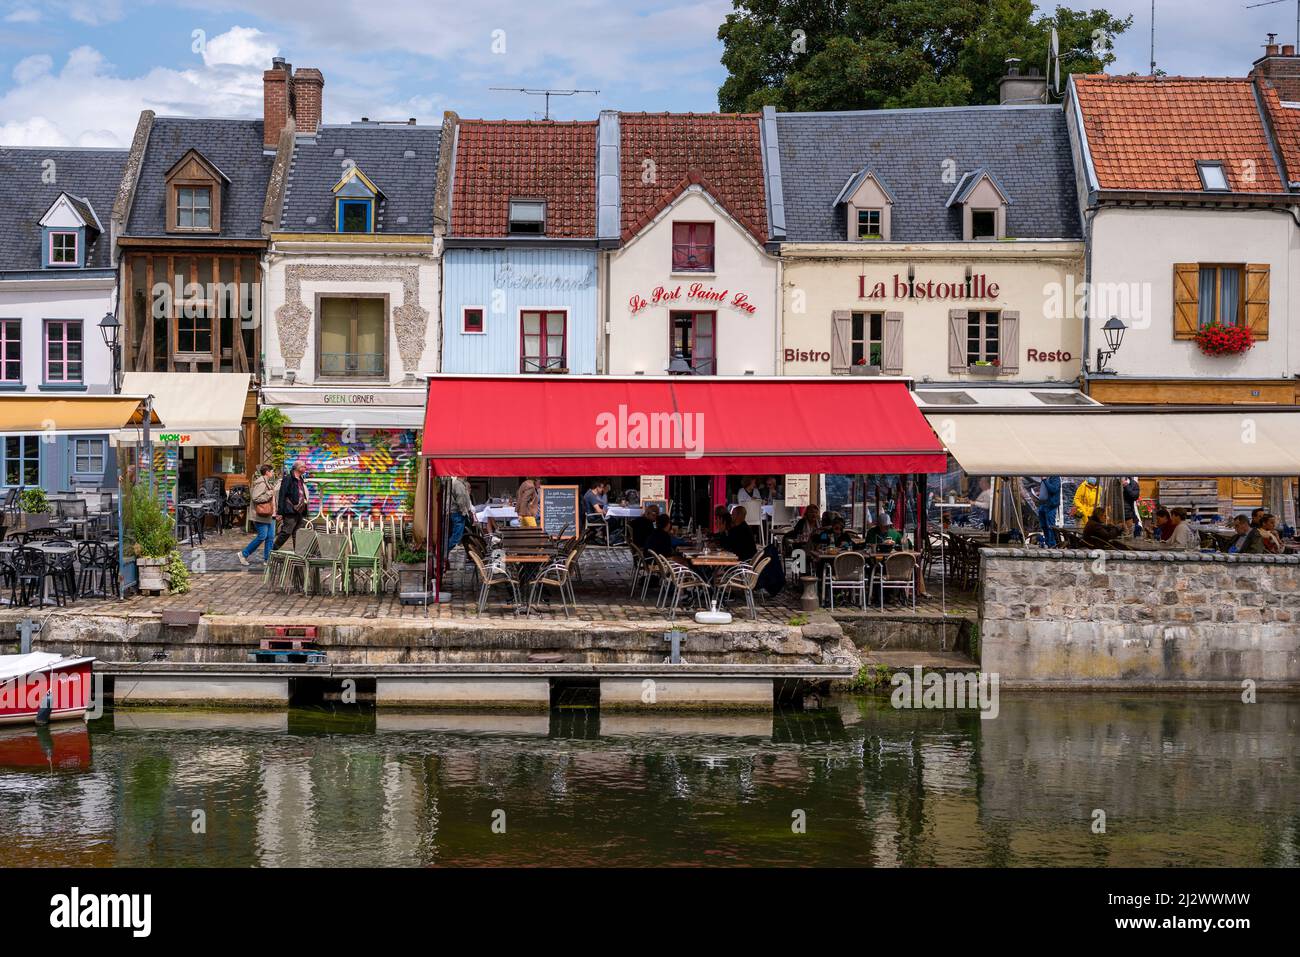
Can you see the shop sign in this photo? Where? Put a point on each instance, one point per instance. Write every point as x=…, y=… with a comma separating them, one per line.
x=976, y=287
x=653, y=488
x=806, y=355
x=694, y=292
x=348, y=398
x=509, y=277
x=1037, y=355
x=177, y=437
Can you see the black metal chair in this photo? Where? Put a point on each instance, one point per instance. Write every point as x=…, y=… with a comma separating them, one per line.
x=27, y=575
x=61, y=570
x=190, y=519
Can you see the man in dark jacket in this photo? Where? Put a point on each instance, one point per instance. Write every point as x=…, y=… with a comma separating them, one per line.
x=1248, y=541
x=1046, y=500
x=293, y=503
x=740, y=537
x=643, y=525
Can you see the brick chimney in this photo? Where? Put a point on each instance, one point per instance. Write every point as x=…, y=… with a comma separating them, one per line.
x=1279, y=67
x=307, y=84
x=275, y=101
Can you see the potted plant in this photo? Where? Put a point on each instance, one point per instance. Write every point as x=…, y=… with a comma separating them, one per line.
x=986, y=367
x=152, y=543
x=409, y=563
x=863, y=367
x=32, y=501
x=1217, y=339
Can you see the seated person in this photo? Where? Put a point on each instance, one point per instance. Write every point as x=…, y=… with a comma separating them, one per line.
x=804, y=529
x=1268, y=531
x=642, y=527
x=660, y=540
x=1176, y=532
x=836, y=536
x=740, y=536
x=883, y=531
x=1248, y=541
x=1098, y=529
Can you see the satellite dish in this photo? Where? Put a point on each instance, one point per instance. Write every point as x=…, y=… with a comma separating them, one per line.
x=1054, y=62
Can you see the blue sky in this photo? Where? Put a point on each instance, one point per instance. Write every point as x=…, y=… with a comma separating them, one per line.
x=77, y=72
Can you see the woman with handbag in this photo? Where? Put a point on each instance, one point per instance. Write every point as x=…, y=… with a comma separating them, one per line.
x=262, y=515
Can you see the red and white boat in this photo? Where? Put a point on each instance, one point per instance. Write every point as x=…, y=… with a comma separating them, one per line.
x=32, y=682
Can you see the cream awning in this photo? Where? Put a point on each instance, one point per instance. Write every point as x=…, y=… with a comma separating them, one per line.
x=71, y=414
x=1243, y=441
x=200, y=408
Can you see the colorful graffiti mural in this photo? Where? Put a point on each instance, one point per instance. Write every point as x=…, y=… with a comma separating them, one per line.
x=367, y=476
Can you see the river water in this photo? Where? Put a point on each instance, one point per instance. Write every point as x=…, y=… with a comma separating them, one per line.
x=1186, y=780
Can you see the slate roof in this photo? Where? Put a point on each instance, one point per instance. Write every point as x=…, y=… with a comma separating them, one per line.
x=92, y=175
x=1025, y=148
x=233, y=146
x=535, y=159
x=721, y=152
x=380, y=151
x=1146, y=133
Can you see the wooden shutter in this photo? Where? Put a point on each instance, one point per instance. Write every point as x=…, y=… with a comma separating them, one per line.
x=1187, y=277
x=1257, y=299
x=840, y=320
x=891, y=361
x=1009, y=341
x=957, y=340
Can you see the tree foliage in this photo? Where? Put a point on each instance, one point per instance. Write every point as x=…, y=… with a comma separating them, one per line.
x=801, y=55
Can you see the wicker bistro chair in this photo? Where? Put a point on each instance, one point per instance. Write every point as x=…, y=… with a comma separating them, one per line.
x=742, y=578
x=641, y=568
x=848, y=572
x=331, y=550
x=558, y=575
x=490, y=575
x=898, y=572
x=686, y=582
x=365, y=558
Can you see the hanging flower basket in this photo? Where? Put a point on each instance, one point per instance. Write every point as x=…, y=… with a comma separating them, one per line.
x=1220, y=340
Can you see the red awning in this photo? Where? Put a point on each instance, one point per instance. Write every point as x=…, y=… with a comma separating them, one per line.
x=602, y=425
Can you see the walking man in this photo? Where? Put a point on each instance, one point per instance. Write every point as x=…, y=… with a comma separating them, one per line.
x=1046, y=500
x=293, y=503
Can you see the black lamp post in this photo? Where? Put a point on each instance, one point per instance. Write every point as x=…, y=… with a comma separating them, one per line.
x=111, y=330
x=1114, y=331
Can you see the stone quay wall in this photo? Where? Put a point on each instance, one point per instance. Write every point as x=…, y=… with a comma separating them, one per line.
x=1153, y=620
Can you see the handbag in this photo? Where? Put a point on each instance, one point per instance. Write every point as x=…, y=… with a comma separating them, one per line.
x=266, y=508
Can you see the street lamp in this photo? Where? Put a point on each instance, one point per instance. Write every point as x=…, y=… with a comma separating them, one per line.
x=1114, y=331
x=111, y=330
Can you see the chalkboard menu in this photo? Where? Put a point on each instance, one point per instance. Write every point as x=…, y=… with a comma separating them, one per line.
x=560, y=510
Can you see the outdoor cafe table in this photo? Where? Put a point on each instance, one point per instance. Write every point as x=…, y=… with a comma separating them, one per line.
x=49, y=548
x=498, y=512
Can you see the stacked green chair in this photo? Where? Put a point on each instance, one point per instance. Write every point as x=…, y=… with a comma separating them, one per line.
x=364, y=557
x=287, y=564
x=329, y=558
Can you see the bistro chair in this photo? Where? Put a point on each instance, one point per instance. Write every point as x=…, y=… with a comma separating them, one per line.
x=330, y=553
x=10, y=505
x=26, y=575
x=99, y=570
x=898, y=572
x=640, y=566
x=689, y=583
x=742, y=578
x=557, y=575
x=847, y=572
x=364, y=557
x=61, y=571
x=490, y=576
x=286, y=564
x=597, y=527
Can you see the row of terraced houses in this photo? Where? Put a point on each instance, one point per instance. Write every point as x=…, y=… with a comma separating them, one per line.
x=324, y=269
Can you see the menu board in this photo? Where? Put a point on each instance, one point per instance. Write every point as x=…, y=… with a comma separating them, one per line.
x=797, y=491
x=560, y=510
x=653, y=488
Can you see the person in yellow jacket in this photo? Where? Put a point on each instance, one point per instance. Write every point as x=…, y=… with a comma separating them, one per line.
x=1086, y=497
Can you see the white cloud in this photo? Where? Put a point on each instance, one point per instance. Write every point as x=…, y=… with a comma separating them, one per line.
x=23, y=15
x=29, y=68
x=242, y=47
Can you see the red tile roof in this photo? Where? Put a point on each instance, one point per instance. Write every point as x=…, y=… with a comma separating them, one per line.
x=1286, y=131
x=720, y=152
x=1147, y=133
x=536, y=159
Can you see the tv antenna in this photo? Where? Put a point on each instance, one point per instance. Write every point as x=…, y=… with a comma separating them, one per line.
x=1269, y=3
x=546, y=93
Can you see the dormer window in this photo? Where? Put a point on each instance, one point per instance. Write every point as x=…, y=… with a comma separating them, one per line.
x=868, y=207
x=194, y=195
x=63, y=249
x=528, y=217
x=1214, y=179
x=355, y=200
x=983, y=206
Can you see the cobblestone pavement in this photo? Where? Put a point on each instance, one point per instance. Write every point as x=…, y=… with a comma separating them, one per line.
x=221, y=586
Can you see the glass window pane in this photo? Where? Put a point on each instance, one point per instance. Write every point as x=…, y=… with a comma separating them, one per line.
x=532, y=323
x=202, y=218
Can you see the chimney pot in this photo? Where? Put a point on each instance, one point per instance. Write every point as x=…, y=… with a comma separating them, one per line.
x=1271, y=49
x=1288, y=49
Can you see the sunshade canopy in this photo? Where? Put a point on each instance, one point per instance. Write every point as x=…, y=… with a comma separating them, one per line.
x=197, y=408
x=549, y=425
x=1255, y=441
x=70, y=415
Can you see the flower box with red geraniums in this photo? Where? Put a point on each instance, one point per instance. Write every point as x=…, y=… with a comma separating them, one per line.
x=1220, y=340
